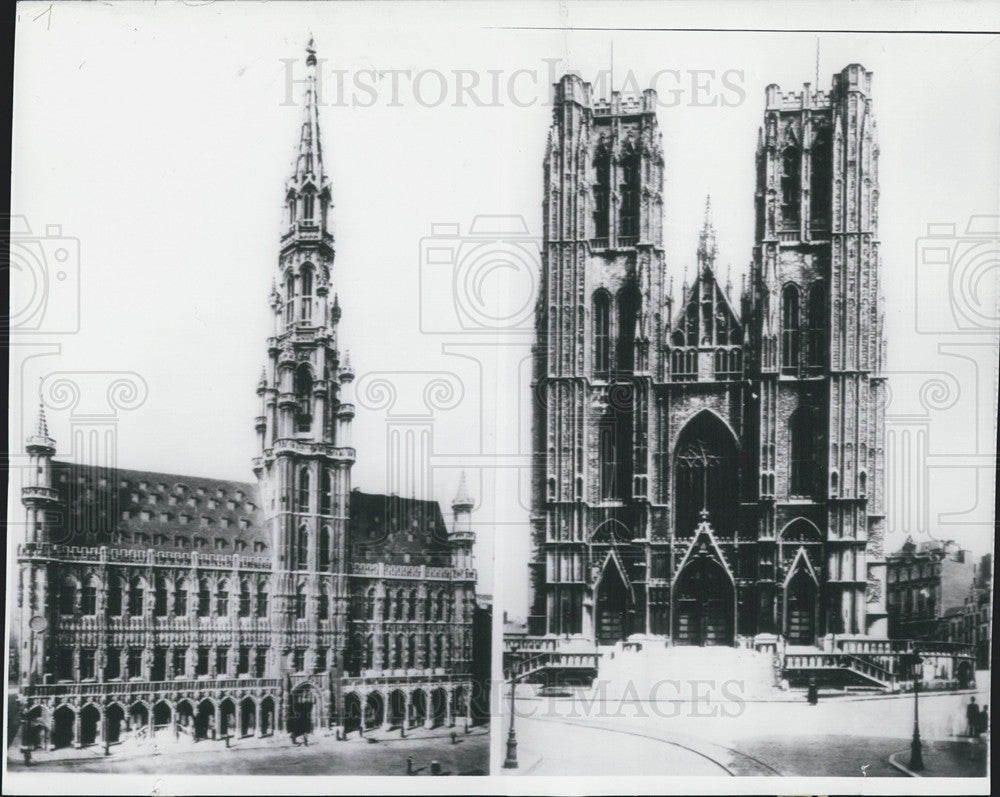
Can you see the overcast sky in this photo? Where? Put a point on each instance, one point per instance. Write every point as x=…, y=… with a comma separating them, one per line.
x=159, y=137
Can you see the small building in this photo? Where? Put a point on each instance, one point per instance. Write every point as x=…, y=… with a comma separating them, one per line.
x=928, y=585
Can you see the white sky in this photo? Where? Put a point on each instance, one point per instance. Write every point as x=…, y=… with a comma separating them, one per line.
x=157, y=135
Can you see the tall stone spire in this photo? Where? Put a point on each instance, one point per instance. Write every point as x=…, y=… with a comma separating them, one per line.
x=707, y=247
x=309, y=159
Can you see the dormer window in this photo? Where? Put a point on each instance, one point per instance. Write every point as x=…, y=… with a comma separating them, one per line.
x=145, y=514
x=230, y=504
x=240, y=495
x=164, y=517
x=143, y=485
x=244, y=523
x=184, y=518
x=152, y=498
x=225, y=522
x=205, y=521
x=192, y=501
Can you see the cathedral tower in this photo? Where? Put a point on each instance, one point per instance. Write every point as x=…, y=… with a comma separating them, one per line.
x=597, y=352
x=304, y=465
x=816, y=330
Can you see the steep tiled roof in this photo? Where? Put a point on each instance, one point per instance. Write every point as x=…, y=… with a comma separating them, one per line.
x=145, y=509
x=164, y=511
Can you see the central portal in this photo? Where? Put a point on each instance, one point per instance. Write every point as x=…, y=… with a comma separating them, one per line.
x=703, y=605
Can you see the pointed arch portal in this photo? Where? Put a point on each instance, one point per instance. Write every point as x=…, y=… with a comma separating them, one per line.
x=801, y=596
x=612, y=606
x=704, y=604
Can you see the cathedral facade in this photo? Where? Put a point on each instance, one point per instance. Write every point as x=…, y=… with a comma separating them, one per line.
x=710, y=472
x=153, y=603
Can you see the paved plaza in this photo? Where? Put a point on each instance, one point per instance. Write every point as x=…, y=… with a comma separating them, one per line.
x=842, y=736
x=386, y=755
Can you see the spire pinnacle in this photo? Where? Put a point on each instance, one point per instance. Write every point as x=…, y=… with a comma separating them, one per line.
x=42, y=426
x=39, y=441
x=706, y=240
x=462, y=498
x=309, y=159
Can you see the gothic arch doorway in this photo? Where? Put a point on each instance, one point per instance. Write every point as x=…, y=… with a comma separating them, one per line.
x=304, y=711
x=612, y=606
x=704, y=605
x=801, y=594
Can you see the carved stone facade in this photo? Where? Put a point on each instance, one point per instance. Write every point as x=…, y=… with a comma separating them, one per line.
x=158, y=603
x=713, y=473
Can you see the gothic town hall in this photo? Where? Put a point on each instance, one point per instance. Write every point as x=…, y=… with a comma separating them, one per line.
x=154, y=603
x=710, y=472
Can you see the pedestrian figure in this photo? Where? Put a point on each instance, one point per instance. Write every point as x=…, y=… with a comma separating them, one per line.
x=409, y=765
x=26, y=751
x=813, y=692
x=972, y=717
x=984, y=719
x=454, y=738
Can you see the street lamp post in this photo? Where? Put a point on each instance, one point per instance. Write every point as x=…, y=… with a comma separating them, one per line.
x=916, y=754
x=510, y=762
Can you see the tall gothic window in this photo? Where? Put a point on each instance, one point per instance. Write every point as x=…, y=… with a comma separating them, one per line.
x=602, y=333
x=180, y=598
x=790, y=179
x=222, y=600
x=244, y=599
x=629, y=228
x=204, y=599
x=790, y=329
x=291, y=210
x=324, y=548
x=707, y=476
x=136, y=594
x=326, y=493
x=88, y=605
x=160, y=598
x=302, y=505
x=815, y=355
x=821, y=182
x=628, y=306
x=289, y=297
x=303, y=396
x=300, y=603
x=308, y=203
x=302, y=549
x=608, y=452
x=306, y=280
x=602, y=180
x=115, y=597
x=262, y=595
x=67, y=597
x=323, y=604
x=802, y=452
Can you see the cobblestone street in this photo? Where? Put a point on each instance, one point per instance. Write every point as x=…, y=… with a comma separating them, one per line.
x=323, y=756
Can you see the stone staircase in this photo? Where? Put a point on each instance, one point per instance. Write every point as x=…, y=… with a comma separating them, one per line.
x=650, y=668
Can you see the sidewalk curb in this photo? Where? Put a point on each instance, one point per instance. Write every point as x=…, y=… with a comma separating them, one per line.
x=893, y=761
